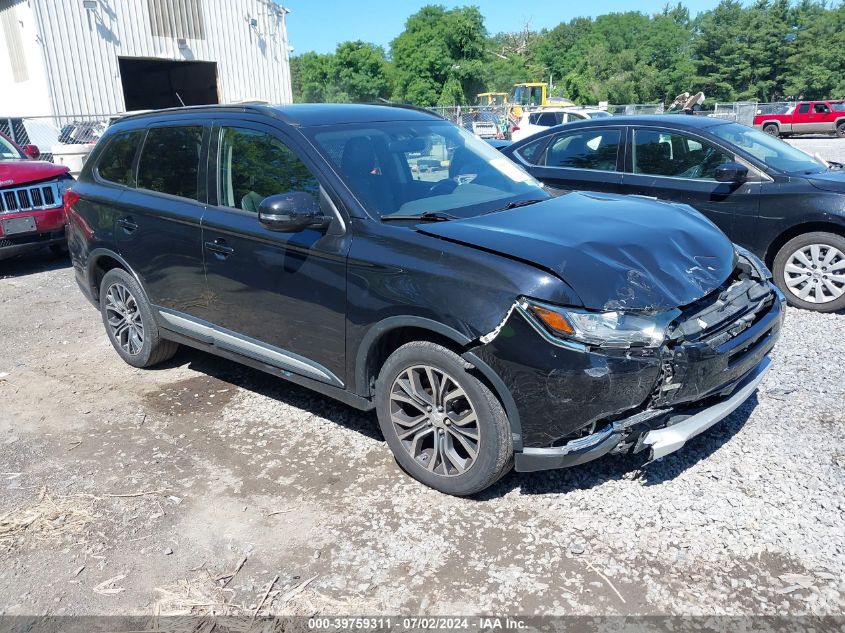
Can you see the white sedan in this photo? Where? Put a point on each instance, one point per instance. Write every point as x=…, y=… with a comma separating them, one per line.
x=538, y=120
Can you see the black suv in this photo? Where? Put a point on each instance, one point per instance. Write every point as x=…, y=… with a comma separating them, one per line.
x=387, y=258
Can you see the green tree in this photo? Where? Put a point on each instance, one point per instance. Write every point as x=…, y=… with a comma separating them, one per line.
x=766, y=50
x=311, y=78
x=439, y=47
x=360, y=71
x=816, y=68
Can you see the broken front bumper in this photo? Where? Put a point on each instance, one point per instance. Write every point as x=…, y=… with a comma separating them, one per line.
x=680, y=428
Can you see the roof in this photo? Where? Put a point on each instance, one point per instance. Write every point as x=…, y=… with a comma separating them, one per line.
x=308, y=114
x=667, y=120
x=563, y=108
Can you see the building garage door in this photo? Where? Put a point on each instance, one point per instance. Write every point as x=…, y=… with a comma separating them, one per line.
x=158, y=83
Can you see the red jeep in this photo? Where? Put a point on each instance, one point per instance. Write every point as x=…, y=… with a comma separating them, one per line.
x=31, y=213
x=805, y=117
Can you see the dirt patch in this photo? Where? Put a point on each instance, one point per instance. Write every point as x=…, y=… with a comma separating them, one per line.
x=193, y=396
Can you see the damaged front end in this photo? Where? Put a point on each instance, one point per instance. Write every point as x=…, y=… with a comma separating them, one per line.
x=590, y=384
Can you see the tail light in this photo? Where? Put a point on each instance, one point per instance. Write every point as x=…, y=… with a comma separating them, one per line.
x=69, y=198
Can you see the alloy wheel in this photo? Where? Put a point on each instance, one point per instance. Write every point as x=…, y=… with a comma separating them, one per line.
x=816, y=273
x=124, y=318
x=434, y=420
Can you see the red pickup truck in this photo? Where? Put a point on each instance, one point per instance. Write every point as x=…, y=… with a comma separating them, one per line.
x=805, y=117
x=31, y=212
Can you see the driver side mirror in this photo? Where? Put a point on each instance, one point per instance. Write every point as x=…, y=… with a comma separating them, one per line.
x=292, y=212
x=31, y=151
x=731, y=172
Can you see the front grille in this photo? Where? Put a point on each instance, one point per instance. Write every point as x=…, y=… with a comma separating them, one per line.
x=32, y=198
x=725, y=313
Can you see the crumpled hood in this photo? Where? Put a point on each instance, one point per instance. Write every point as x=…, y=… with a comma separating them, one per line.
x=20, y=172
x=616, y=252
x=829, y=181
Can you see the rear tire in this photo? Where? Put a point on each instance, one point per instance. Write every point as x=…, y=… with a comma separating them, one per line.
x=129, y=321
x=772, y=130
x=445, y=427
x=812, y=265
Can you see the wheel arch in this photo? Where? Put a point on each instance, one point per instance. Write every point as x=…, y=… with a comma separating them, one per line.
x=799, y=229
x=101, y=261
x=388, y=335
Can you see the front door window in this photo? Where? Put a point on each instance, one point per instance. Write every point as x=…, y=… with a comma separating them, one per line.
x=253, y=165
x=665, y=153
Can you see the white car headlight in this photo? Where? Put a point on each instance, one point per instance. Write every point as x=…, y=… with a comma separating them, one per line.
x=603, y=329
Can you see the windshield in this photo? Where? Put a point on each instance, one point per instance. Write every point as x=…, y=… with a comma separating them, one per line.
x=838, y=107
x=769, y=150
x=416, y=167
x=7, y=150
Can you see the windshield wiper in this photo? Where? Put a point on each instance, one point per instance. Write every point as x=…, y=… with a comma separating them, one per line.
x=519, y=203
x=428, y=216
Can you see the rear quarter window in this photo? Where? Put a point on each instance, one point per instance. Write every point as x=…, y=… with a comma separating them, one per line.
x=533, y=152
x=116, y=162
x=169, y=161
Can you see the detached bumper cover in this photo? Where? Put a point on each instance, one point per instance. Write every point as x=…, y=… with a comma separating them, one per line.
x=680, y=428
x=671, y=438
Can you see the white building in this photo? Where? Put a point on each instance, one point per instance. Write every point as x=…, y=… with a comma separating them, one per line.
x=94, y=57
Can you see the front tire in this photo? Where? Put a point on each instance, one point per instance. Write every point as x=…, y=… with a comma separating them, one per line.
x=129, y=321
x=810, y=270
x=445, y=427
x=772, y=130
x=840, y=129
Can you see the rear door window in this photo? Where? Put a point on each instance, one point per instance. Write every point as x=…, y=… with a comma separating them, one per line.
x=549, y=119
x=585, y=149
x=118, y=159
x=804, y=108
x=169, y=161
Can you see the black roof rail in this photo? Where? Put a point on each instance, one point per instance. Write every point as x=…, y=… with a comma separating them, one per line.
x=256, y=107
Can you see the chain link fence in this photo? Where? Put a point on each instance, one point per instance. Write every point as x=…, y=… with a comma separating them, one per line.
x=51, y=133
x=483, y=121
x=740, y=111
x=634, y=109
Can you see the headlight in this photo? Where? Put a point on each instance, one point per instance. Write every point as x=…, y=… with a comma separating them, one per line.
x=64, y=183
x=755, y=262
x=603, y=329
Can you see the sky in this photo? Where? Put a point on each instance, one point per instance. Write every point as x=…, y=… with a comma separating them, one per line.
x=320, y=25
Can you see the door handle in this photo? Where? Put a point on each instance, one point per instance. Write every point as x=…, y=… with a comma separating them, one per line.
x=219, y=248
x=127, y=224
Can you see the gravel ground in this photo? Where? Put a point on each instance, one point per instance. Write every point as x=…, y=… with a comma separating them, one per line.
x=828, y=147
x=125, y=491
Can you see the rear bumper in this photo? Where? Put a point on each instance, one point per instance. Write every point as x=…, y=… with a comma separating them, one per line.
x=678, y=427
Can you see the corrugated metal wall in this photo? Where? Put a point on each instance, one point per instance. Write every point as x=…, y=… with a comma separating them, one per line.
x=246, y=38
x=14, y=42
